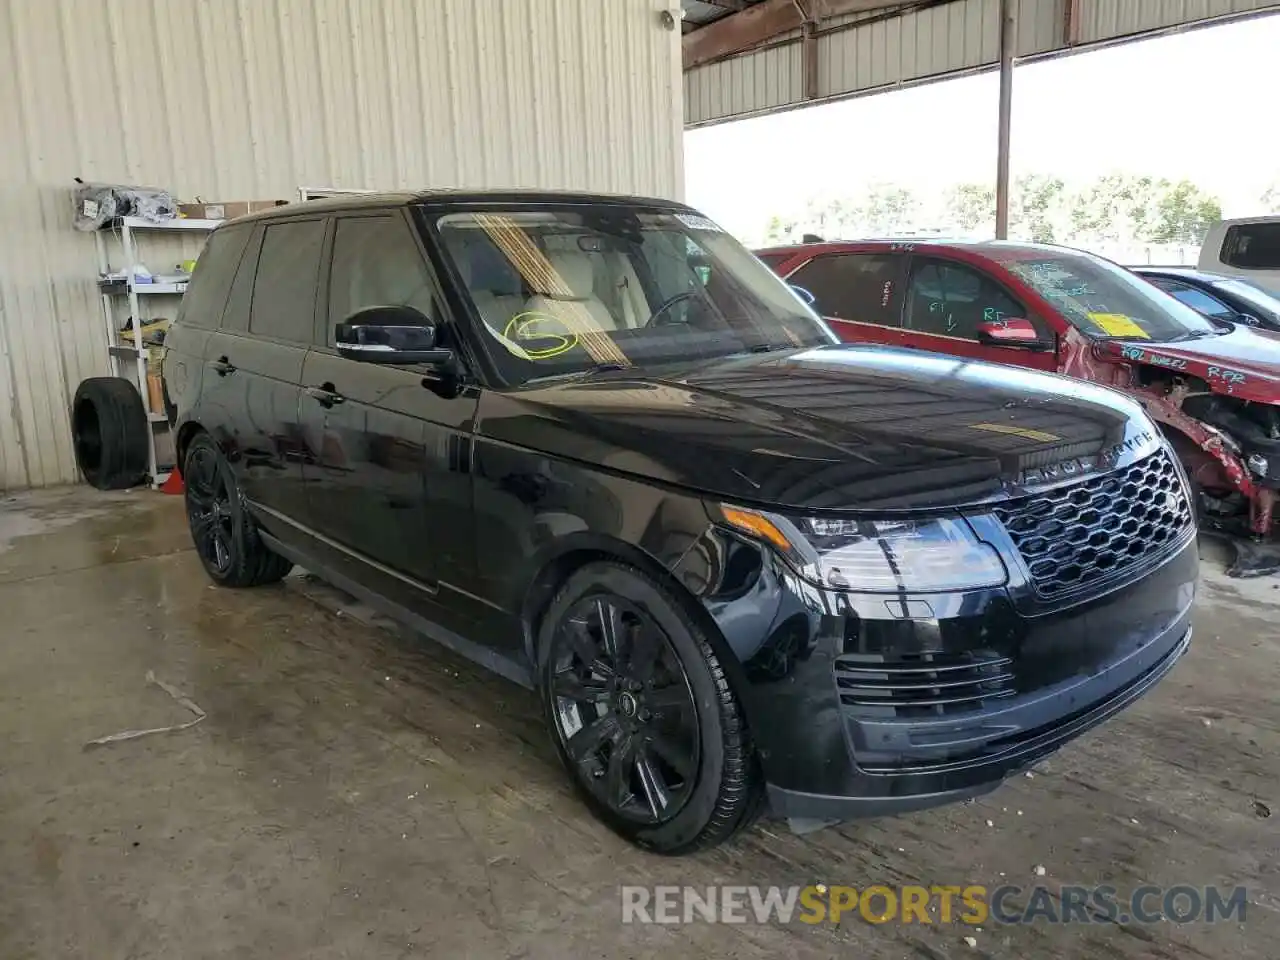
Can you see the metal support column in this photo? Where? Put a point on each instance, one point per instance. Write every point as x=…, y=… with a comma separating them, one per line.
x=1008, y=41
x=131, y=260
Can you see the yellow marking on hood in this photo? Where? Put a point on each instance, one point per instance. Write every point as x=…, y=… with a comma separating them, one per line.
x=1024, y=432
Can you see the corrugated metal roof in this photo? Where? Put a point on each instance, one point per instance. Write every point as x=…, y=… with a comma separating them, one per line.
x=249, y=99
x=864, y=52
x=698, y=13
x=1102, y=20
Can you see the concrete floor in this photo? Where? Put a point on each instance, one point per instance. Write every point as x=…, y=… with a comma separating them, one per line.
x=354, y=792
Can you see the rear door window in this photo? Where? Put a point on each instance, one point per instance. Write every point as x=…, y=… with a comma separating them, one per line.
x=1252, y=246
x=854, y=286
x=284, y=290
x=206, y=294
x=952, y=299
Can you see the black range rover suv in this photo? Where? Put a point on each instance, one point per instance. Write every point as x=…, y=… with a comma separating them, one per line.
x=594, y=444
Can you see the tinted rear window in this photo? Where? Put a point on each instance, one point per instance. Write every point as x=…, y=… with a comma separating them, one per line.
x=284, y=291
x=216, y=266
x=853, y=286
x=1252, y=246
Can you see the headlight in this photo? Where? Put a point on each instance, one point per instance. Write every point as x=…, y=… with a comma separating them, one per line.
x=879, y=556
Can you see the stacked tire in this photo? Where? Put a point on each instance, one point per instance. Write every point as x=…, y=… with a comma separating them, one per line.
x=109, y=431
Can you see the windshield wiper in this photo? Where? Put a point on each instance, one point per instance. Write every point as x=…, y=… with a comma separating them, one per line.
x=581, y=372
x=770, y=347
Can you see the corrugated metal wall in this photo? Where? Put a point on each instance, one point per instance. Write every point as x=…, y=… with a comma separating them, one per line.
x=241, y=99
x=937, y=41
x=1102, y=20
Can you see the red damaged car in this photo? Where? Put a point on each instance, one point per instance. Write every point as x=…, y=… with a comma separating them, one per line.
x=1213, y=386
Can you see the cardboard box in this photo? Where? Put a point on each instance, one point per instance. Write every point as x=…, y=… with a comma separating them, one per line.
x=226, y=210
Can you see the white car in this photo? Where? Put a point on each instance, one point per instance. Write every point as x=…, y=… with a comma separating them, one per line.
x=1248, y=248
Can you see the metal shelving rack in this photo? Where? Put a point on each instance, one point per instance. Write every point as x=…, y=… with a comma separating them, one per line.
x=130, y=360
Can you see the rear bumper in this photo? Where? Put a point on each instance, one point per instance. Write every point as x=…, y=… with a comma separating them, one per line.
x=863, y=707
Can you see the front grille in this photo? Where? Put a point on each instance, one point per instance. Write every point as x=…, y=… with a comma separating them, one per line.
x=1077, y=535
x=922, y=685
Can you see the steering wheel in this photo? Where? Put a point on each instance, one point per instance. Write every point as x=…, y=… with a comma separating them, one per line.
x=669, y=303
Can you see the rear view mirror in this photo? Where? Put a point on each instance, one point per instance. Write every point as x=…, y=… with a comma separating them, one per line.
x=389, y=335
x=1015, y=332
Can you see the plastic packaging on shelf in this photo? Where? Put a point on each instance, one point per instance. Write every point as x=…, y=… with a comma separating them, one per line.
x=97, y=204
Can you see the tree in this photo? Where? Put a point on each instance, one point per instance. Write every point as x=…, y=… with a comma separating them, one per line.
x=971, y=208
x=779, y=230
x=885, y=210
x=1117, y=208
x=828, y=217
x=1035, y=206
x=1112, y=208
x=1180, y=213
x=1122, y=207
x=1271, y=198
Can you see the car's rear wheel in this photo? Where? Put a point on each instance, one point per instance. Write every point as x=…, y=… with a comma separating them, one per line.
x=642, y=713
x=223, y=532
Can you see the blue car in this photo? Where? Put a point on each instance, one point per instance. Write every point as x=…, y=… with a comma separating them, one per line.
x=1216, y=296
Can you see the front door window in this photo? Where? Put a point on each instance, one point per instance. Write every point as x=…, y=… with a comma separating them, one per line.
x=953, y=300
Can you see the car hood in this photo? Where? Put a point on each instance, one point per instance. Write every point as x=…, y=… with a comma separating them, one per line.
x=834, y=428
x=1244, y=363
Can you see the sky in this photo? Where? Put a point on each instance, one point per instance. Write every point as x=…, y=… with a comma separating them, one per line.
x=1199, y=105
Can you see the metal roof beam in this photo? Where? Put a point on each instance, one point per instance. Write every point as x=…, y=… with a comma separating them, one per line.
x=763, y=21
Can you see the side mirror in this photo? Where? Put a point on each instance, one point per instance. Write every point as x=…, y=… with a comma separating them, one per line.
x=389, y=335
x=1015, y=332
x=803, y=294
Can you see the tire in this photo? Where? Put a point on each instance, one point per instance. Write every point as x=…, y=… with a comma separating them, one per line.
x=110, y=433
x=225, y=536
x=681, y=737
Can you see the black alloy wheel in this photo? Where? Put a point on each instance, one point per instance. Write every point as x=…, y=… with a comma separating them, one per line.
x=209, y=510
x=224, y=534
x=642, y=712
x=624, y=709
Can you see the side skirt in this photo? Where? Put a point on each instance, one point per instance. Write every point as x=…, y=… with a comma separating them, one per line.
x=502, y=665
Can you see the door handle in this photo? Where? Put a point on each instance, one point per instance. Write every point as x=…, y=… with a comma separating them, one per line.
x=325, y=395
x=222, y=366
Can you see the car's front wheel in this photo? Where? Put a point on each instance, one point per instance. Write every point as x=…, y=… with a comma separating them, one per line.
x=642, y=713
x=221, y=529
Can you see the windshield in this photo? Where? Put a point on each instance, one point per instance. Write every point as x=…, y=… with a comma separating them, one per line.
x=1106, y=301
x=1263, y=303
x=578, y=288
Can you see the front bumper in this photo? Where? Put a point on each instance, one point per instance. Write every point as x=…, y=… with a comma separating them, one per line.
x=932, y=785
x=863, y=706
